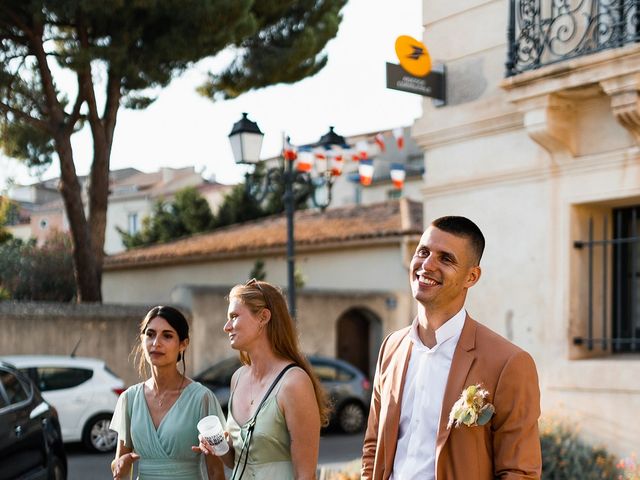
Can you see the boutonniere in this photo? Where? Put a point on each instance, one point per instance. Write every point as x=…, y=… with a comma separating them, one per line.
x=471, y=409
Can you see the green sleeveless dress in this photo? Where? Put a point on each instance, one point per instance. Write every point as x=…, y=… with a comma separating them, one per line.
x=165, y=453
x=270, y=450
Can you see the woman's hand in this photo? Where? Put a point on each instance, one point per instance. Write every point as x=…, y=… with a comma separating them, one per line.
x=121, y=466
x=205, y=448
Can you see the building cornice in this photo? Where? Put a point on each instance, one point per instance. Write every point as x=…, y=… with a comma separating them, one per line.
x=579, y=165
x=483, y=127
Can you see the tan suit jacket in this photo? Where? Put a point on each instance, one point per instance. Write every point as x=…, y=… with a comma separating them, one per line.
x=508, y=447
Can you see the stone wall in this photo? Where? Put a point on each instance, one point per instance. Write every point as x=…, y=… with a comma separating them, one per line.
x=108, y=332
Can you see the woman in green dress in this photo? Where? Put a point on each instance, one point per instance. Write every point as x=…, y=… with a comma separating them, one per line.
x=286, y=430
x=156, y=420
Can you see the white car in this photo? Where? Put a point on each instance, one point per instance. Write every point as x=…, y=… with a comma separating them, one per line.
x=84, y=392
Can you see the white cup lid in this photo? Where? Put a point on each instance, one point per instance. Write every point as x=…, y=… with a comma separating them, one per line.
x=210, y=422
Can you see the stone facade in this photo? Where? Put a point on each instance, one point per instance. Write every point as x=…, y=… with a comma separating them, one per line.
x=531, y=159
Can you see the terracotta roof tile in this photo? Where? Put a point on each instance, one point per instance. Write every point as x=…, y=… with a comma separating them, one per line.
x=346, y=224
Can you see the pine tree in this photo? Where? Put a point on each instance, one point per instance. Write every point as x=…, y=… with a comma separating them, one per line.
x=121, y=53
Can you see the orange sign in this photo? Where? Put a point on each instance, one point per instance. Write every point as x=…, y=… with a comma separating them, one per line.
x=413, y=56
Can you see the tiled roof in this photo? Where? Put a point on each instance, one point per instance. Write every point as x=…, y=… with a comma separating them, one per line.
x=312, y=228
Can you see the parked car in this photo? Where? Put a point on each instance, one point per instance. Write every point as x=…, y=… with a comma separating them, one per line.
x=30, y=439
x=348, y=388
x=84, y=392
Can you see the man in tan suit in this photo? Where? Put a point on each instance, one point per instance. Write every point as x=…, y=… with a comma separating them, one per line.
x=423, y=370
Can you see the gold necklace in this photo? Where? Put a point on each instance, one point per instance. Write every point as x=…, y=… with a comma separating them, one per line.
x=160, y=398
x=251, y=386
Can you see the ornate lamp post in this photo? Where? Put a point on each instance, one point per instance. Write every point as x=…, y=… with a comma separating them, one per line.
x=246, y=142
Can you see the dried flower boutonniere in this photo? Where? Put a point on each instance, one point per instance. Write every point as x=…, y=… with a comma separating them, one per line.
x=471, y=409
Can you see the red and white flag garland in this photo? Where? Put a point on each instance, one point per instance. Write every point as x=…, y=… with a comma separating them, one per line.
x=398, y=174
x=305, y=160
x=365, y=170
x=379, y=139
x=398, y=133
x=289, y=151
x=332, y=160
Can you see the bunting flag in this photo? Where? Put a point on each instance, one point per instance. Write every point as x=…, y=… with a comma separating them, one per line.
x=289, y=151
x=305, y=160
x=362, y=150
x=398, y=133
x=398, y=174
x=365, y=170
x=320, y=158
x=336, y=164
x=379, y=139
x=352, y=154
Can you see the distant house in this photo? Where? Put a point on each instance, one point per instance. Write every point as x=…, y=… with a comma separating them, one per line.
x=354, y=262
x=131, y=198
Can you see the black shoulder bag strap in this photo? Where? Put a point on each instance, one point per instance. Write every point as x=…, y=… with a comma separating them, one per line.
x=252, y=425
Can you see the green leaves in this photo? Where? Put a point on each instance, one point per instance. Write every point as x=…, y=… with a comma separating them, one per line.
x=485, y=414
x=25, y=142
x=37, y=273
x=122, y=51
x=286, y=48
x=187, y=214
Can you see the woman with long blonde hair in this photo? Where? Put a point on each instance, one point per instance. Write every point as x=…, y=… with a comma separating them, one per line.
x=277, y=406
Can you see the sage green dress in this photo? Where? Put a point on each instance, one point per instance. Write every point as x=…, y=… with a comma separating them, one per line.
x=270, y=450
x=165, y=453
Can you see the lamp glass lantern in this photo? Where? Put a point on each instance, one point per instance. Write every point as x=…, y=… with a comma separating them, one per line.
x=246, y=141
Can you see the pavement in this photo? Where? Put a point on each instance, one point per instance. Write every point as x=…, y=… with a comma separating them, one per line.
x=336, y=451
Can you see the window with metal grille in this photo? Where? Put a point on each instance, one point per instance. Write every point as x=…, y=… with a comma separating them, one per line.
x=543, y=32
x=613, y=313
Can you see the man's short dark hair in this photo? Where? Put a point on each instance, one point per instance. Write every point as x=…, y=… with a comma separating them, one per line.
x=463, y=227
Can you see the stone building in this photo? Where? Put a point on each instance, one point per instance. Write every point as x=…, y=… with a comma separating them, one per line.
x=538, y=144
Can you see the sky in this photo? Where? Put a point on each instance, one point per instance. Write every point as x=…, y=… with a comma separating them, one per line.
x=182, y=128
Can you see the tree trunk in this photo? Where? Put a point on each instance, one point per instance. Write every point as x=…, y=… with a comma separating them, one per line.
x=102, y=132
x=86, y=266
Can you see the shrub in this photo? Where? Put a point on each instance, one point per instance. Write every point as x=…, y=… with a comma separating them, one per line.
x=629, y=468
x=29, y=272
x=565, y=457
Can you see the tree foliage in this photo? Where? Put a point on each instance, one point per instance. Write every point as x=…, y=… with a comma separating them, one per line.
x=258, y=271
x=187, y=214
x=29, y=272
x=8, y=215
x=121, y=53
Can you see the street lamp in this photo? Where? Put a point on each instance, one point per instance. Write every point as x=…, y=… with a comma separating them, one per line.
x=246, y=142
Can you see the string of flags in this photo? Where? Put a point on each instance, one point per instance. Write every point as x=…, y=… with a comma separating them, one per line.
x=332, y=160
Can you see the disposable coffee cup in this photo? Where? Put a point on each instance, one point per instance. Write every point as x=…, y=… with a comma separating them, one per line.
x=211, y=430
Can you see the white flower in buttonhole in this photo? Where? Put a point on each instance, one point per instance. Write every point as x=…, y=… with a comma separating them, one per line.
x=471, y=409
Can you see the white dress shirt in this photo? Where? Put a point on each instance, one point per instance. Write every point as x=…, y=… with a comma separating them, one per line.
x=422, y=396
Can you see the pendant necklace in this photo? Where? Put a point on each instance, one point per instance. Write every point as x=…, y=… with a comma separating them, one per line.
x=160, y=398
x=251, y=399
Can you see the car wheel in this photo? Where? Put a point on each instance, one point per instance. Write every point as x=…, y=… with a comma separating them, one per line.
x=96, y=435
x=351, y=418
x=57, y=470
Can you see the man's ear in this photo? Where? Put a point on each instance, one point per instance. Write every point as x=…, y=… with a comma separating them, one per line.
x=473, y=276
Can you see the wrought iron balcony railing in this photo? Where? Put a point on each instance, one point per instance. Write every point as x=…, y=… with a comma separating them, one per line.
x=542, y=32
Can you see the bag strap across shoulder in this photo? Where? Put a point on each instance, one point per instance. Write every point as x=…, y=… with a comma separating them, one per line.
x=252, y=423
